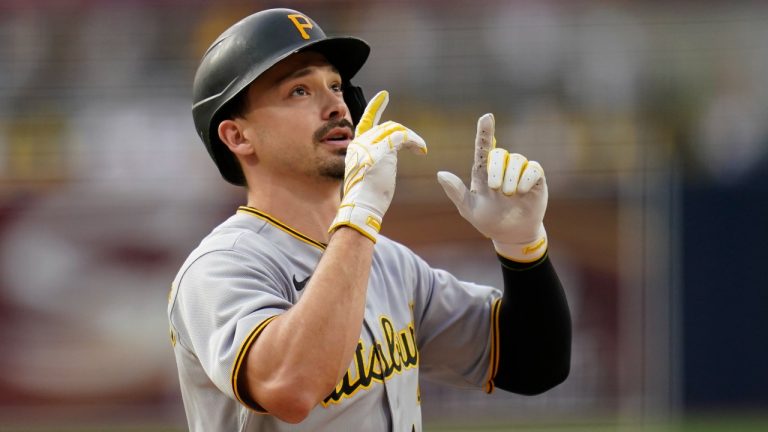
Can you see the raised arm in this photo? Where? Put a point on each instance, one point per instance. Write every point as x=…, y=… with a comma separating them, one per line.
x=301, y=355
x=506, y=202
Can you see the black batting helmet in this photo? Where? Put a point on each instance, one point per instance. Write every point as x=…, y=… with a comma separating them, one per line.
x=248, y=49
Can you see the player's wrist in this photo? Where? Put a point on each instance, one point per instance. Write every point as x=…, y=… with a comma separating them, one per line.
x=352, y=238
x=366, y=221
x=524, y=250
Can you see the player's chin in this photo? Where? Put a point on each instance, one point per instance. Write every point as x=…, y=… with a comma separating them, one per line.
x=333, y=166
x=335, y=156
x=332, y=171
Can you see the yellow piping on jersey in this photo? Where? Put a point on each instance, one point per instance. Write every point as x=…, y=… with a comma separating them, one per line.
x=494, y=354
x=237, y=365
x=277, y=224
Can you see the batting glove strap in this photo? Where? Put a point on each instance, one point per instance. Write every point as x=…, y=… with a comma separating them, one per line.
x=525, y=252
x=364, y=220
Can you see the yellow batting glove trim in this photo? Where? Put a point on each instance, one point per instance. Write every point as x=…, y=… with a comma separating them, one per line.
x=362, y=231
x=353, y=226
x=354, y=178
x=492, y=165
x=351, y=164
x=532, y=248
x=530, y=252
x=366, y=121
x=352, y=183
x=386, y=131
x=373, y=223
x=488, y=160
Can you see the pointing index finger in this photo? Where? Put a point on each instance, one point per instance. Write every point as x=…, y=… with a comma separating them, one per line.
x=484, y=142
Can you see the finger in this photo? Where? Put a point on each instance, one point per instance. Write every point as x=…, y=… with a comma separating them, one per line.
x=484, y=142
x=533, y=174
x=455, y=189
x=497, y=164
x=515, y=166
x=372, y=113
x=381, y=132
x=408, y=139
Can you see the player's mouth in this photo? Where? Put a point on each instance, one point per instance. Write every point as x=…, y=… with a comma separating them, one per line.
x=338, y=137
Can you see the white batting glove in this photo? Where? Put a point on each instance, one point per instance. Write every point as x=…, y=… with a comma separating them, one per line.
x=507, y=198
x=371, y=166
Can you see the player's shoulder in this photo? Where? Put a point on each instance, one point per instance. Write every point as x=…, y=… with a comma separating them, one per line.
x=236, y=246
x=238, y=235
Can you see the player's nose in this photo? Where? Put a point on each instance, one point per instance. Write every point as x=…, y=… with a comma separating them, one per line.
x=334, y=106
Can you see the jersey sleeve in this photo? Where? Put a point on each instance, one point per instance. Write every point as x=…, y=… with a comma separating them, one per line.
x=454, y=330
x=224, y=301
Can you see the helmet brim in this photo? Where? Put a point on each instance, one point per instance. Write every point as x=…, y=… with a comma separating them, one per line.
x=347, y=54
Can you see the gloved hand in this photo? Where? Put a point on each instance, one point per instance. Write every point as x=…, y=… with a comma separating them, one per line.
x=371, y=166
x=507, y=197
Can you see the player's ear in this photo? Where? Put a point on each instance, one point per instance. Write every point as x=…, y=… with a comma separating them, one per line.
x=231, y=134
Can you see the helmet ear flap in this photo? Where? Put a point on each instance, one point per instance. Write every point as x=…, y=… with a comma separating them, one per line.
x=355, y=100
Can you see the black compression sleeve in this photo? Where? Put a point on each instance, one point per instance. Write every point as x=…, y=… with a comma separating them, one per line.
x=534, y=329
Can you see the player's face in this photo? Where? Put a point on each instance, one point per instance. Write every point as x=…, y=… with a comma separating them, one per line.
x=298, y=120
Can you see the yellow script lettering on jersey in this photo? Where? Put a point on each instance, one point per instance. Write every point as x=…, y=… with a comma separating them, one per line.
x=377, y=363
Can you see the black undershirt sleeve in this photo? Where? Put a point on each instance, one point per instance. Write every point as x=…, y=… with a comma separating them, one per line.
x=534, y=352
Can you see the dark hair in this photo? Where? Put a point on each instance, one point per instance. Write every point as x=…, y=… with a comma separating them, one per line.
x=235, y=108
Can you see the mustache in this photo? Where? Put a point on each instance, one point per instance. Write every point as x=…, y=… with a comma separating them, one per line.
x=323, y=131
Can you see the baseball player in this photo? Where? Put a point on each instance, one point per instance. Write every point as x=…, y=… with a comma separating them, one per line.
x=295, y=313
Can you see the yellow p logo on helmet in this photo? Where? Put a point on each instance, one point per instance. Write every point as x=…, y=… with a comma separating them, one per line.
x=301, y=22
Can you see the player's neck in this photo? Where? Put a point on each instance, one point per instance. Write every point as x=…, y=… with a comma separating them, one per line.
x=308, y=207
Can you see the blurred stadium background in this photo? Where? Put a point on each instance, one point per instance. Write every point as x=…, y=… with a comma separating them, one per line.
x=651, y=119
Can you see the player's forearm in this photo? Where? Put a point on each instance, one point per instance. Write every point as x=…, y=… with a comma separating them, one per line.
x=303, y=353
x=535, y=329
x=336, y=302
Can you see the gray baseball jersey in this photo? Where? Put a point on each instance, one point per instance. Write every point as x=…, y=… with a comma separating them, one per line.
x=251, y=268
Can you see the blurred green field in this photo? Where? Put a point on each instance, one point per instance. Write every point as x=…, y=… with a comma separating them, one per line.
x=715, y=424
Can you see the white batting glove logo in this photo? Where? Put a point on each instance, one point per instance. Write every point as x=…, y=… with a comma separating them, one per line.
x=371, y=167
x=507, y=198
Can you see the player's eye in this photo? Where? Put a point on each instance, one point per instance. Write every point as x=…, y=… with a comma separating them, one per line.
x=336, y=88
x=299, y=91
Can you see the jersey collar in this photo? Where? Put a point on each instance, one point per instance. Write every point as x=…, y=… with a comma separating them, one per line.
x=276, y=223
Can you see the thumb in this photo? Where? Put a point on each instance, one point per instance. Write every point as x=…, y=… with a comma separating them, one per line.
x=455, y=189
